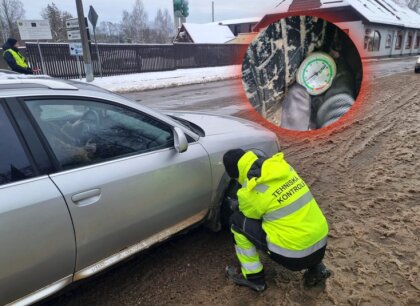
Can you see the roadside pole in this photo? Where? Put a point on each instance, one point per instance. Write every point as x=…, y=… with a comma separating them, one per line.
x=85, y=43
x=79, y=67
x=97, y=53
x=93, y=18
x=44, y=70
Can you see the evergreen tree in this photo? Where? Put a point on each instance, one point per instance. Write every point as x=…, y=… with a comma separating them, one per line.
x=57, y=19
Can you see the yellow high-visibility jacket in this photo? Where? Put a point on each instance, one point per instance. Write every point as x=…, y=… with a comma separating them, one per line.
x=20, y=60
x=274, y=192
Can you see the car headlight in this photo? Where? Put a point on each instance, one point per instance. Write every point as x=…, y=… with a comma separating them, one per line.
x=418, y=60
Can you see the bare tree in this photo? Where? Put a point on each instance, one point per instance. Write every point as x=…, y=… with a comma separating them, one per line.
x=163, y=27
x=57, y=21
x=414, y=5
x=160, y=36
x=109, y=32
x=10, y=12
x=135, y=24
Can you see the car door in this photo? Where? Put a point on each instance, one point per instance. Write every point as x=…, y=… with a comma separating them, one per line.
x=36, y=233
x=125, y=184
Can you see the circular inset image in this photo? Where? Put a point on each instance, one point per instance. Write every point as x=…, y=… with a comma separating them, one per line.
x=302, y=73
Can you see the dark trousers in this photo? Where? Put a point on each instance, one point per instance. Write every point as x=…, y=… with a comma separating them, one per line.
x=252, y=229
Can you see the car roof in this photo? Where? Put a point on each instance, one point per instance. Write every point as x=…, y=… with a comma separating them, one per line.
x=18, y=86
x=11, y=81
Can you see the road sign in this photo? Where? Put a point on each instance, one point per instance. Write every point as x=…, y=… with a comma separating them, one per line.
x=93, y=17
x=34, y=29
x=76, y=49
x=72, y=23
x=74, y=35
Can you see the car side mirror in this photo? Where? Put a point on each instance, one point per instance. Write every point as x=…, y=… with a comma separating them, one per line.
x=180, y=140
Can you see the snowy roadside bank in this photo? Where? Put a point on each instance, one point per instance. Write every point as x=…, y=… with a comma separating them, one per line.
x=165, y=79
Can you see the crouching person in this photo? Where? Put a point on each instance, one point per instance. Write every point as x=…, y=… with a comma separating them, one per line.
x=278, y=215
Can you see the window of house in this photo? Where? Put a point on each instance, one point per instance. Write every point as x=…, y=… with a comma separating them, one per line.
x=367, y=38
x=14, y=163
x=409, y=41
x=398, y=41
x=388, y=41
x=376, y=41
x=372, y=40
x=85, y=132
x=417, y=45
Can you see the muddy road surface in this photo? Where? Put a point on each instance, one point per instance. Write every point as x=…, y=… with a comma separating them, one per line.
x=366, y=178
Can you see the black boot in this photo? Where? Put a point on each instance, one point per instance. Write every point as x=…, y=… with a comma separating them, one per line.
x=255, y=281
x=316, y=274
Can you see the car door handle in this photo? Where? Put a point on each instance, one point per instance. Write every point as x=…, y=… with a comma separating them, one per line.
x=87, y=197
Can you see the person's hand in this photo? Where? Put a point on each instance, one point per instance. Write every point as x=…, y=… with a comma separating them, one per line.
x=90, y=147
x=78, y=126
x=36, y=70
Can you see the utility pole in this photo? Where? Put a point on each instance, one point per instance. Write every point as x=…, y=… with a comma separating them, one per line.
x=85, y=43
x=212, y=11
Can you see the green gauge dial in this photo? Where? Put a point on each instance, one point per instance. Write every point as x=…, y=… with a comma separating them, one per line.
x=317, y=72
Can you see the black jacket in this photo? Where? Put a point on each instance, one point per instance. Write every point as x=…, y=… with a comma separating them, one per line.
x=11, y=61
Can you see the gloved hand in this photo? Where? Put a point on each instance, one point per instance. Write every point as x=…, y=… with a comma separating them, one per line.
x=233, y=204
x=296, y=109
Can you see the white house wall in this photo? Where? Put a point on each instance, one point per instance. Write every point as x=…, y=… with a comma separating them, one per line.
x=357, y=32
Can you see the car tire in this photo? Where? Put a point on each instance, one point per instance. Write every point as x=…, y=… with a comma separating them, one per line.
x=417, y=70
x=219, y=215
x=263, y=86
x=225, y=208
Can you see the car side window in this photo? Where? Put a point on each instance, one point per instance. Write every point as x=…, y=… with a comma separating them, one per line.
x=14, y=163
x=83, y=132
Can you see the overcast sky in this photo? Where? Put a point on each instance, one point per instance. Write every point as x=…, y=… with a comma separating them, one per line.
x=200, y=10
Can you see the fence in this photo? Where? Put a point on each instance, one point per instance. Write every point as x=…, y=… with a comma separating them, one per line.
x=124, y=59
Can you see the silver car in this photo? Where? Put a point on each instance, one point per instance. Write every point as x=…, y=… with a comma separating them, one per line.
x=89, y=178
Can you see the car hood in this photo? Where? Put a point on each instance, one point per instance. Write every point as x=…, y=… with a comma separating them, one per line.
x=218, y=124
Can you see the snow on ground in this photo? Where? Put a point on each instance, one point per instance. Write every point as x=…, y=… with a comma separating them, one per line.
x=165, y=79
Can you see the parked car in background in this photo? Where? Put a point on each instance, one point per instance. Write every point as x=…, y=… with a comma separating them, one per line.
x=89, y=178
x=417, y=67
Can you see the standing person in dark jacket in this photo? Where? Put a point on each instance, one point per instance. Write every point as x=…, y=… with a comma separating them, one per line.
x=14, y=58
